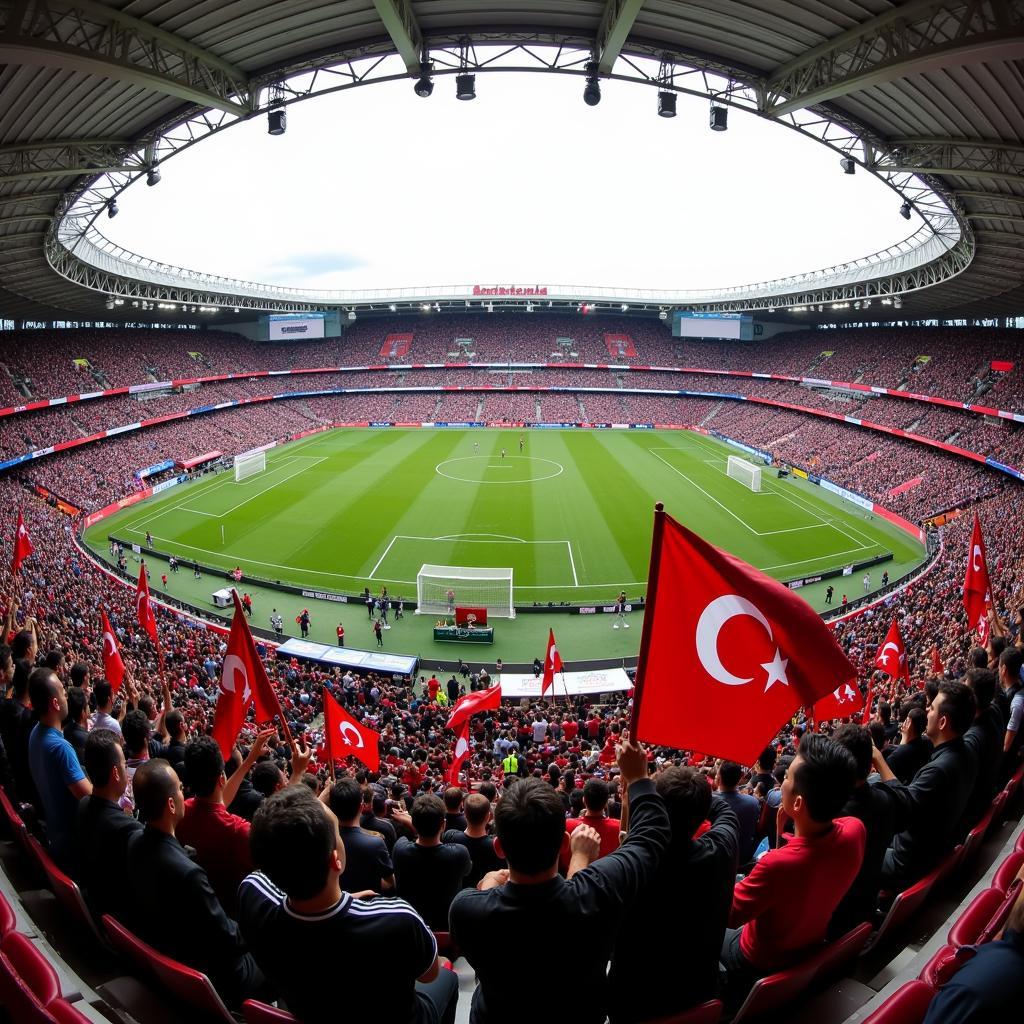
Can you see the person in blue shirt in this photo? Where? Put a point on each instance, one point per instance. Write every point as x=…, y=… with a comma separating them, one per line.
x=746, y=808
x=53, y=763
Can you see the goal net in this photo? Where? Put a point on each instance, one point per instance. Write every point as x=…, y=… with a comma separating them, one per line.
x=442, y=588
x=249, y=464
x=745, y=472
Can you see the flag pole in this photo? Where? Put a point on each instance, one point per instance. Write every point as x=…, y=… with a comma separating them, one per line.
x=645, y=639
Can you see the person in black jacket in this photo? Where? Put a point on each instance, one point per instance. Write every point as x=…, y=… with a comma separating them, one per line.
x=693, y=886
x=103, y=831
x=985, y=740
x=76, y=725
x=174, y=908
x=914, y=749
x=581, y=912
x=930, y=808
x=174, y=752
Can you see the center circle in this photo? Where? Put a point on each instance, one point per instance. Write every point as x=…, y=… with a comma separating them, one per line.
x=493, y=469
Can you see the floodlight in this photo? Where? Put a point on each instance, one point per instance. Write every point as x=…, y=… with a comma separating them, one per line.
x=905, y=211
x=624, y=307
x=897, y=301
x=848, y=164
x=351, y=314
x=719, y=118
x=465, y=86
x=663, y=315
x=425, y=86
x=277, y=122
x=393, y=307
x=112, y=210
x=592, y=90
x=666, y=104
x=153, y=177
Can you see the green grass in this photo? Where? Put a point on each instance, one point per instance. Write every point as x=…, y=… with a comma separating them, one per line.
x=571, y=516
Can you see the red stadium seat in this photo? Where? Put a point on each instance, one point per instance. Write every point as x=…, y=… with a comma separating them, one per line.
x=1008, y=870
x=998, y=920
x=998, y=807
x=8, y=919
x=31, y=967
x=131, y=948
x=906, y=903
x=970, y=924
x=777, y=990
x=704, y=1013
x=972, y=844
x=445, y=946
x=262, y=1013
x=944, y=964
x=832, y=960
x=64, y=1012
x=907, y=1005
x=66, y=890
x=10, y=816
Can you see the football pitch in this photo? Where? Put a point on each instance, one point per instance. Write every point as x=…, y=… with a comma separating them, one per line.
x=570, y=513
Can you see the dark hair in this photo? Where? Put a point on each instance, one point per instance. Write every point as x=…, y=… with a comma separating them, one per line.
x=345, y=799
x=885, y=711
x=824, y=776
x=22, y=671
x=102, y=691
x=595, y=794
x=6, y=658
x=265, y=777
x=576, y=802
x=1011, y=659
x=687, y=796
x=153, y=784
x=530, y=822
x=489, y=790
x=136, y=731
x=477, y=809
x=428, y=815
x=931, y=689
x=918, y=720
x=78, y=673
x=291, y=839
x=958, y=707
x=100, y=757
x=977, y=657
x=204, y=765
x=77, y=702
x=996, y=645
x=857, y=740
x=877, y=731
x=175, y=722
x=729, y=774
x=766, y=759
x=983, y=682
x=453, y=797
x=42, y=686
x=21, y=644
x=53, y=659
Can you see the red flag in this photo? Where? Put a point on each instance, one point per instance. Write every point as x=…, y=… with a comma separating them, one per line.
x=462, y=751
x=977, y=588
x=481, y=700
x=727, y=654
x=866, y=717
x=843, y=702
x=552, y=663
x=22, y=546
x=147, y=620
x=233, y=701
x=113, y=666
x=937, y=667
x=892, y=655
x=345, y=736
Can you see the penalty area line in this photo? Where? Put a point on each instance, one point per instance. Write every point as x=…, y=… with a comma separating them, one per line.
x=382, y=557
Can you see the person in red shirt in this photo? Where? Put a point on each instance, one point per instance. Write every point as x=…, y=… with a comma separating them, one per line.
x=595, y=802
x=432, y=687
x=341, y=635
x=569, y=728
x=781, y=910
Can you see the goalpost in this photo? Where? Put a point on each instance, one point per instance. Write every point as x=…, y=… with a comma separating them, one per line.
x=745, y=472
x=249, y=464
x=440, y=588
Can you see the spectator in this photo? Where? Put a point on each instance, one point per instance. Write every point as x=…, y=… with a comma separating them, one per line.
x=294, y=904
x=76, y=726
x=453, y=803
x=914, y=748
x=103, y=694
x=476, y=840
x=745, y=807
x=428, y=872
x=368, y=865
x=595, y=803
x=373, y=820
x=1010, y=663
x=984, y=740
x=694, y=882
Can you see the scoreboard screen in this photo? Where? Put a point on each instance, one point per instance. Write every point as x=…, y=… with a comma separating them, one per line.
x=729, y=326
x=295, y=326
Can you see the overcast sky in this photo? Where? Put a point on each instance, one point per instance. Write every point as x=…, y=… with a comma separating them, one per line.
x=376, y=187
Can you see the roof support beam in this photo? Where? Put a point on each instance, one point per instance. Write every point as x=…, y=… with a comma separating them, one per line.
x=37, y=160
x=997, y=161
x=404, y=30
x=616, y=24
x=92, y=38
x=910, y=39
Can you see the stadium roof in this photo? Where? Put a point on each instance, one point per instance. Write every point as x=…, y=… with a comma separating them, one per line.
x=926, y=88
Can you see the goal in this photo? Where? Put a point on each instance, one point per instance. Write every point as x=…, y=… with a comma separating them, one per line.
x=745, y=472
x=440, y=588
x=249, y=464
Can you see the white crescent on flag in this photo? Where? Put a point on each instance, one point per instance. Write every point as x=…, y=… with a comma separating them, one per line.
x=884, y=655
x=232, y=664
x=109, y=646
x=461, y=747
x=717, y=613
x=346, y=728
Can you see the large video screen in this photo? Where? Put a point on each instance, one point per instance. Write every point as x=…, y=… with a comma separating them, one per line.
x=295, y=326
x=734, y=326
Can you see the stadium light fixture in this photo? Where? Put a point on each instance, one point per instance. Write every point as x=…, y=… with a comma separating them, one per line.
x=592, y=90
x=153, y=176
x=393, y=307
x=425, y=85
x=529, y=307
x=624, y=307
x=848, y=164
x=666, y=104
x=905, y=210
x=351, y=314
x=112, y=210
x=897, y=301
x=718, y=119
x=663, y=315
x=465, y=86
x=277, y=122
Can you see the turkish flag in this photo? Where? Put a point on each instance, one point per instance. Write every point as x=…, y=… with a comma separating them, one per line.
x=937, y=667
x=892, y=655
x=147, y=620
x=727, y=654
x=480, y=700
x=843, y=702
x=113, y=666
x=977, y=588
x=345, y=736
x=552, y=663
x=22, y=546
x=462, y=751
x=243, y=684
x=866, y=717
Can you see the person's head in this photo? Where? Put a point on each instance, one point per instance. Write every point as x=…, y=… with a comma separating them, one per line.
x=104, y=764
x=951, y=713
x=489, y=790
x=917, y=723
x=267, y=778
x=46, y=692
x=530, y=826
x=595, y=795
x=345, y=799
x=729, y=774
x=79, y=674
x=294, y=839
x=158, y=796
x=766, y=760
x=877, y=731
x=428, y=816
x=78, y=705
x=977, y=657
x=6, y=666
x=104, y=694
x=175, y=724
x=996, y=646
x=687, y=796
x=453, y=797
x=204, y=767
x=136, y=731
x=24, y=645
x=857, y=740
x=1010, y=662
x=819, y=780
x=982, y=682
x=477, y=810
